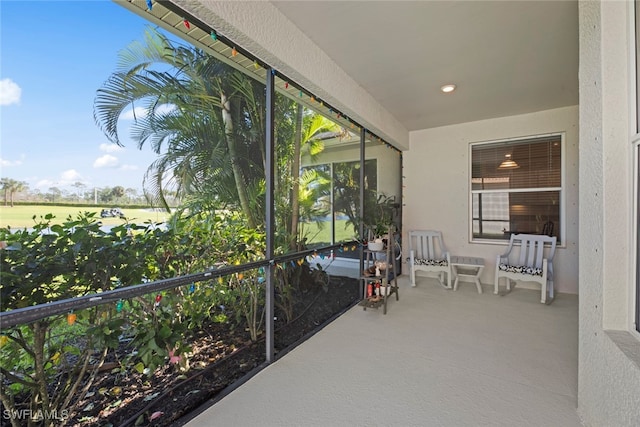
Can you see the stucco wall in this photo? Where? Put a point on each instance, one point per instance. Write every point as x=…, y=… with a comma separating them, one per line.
x=437, y=185
x=608, y=378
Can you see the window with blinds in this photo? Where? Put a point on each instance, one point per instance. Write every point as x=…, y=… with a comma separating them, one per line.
x=516, y=187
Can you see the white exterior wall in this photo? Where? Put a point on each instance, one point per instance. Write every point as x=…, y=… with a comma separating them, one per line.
x=437, y=170
x=609, y=377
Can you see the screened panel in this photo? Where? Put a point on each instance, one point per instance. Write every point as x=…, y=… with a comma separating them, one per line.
x=381, y=198
x=346, y=195
x=318, y=146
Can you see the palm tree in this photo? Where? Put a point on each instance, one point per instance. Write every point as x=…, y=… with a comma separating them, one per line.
x=203, y=120
x=307, y=141
x=206, y=122
x=12, y=186
x=5, y=183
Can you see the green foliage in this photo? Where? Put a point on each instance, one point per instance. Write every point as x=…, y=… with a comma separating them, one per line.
x=380, y=213
x=55, y=360
x=57, y=261
x=158, y=329
x=224, y=237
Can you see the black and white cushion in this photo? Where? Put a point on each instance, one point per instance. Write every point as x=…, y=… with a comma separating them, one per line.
x=431, y=262
x=521, y=269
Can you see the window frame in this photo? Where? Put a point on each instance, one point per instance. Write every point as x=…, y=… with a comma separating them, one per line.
x=561, y=189
x=634, y=300
x=634, y=139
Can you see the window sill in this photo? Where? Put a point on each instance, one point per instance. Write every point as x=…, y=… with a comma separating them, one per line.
x=505, y=243
x=627, y=343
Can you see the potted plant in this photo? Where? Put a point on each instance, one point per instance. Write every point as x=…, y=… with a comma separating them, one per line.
x=379, y=220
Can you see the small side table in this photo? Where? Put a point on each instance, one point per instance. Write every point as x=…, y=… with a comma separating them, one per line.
x=471, y=269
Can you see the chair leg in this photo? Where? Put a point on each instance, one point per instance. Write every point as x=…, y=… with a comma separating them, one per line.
x=412, y=269
x=543, y=298
x=496, y=285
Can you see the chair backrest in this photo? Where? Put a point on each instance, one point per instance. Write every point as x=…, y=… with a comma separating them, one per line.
x=533, y=249
x=427, y=244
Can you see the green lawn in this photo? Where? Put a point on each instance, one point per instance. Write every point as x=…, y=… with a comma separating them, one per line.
x=314, y=234
x=22, y=216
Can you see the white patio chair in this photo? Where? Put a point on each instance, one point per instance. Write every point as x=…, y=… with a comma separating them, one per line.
x=428, y=253
x=529, y=258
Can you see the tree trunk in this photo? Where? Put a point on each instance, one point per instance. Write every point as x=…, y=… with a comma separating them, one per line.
x=237, y=172
x=295, y=176
x=40, y=377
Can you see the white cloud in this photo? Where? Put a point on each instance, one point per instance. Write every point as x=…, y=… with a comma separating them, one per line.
x=139, y=114
x=129, y=168
x=106, y=161
x=45, y=184
x=8, y=163
x=110, y=148
x=10, y=92
x=165, y=108
x=70, y=176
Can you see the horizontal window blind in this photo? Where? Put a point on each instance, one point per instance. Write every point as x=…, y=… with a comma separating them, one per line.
x=538, y=164
x=516, y=187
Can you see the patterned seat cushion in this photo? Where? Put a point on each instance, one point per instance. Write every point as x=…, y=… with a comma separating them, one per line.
x=433, y=262
x=522, y=269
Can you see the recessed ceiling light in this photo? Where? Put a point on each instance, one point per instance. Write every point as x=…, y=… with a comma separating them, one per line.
x=448, y=88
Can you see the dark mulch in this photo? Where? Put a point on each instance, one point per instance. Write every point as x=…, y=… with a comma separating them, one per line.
x=222, y=359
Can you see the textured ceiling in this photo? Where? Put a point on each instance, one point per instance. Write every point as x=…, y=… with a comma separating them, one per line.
x=506, y=57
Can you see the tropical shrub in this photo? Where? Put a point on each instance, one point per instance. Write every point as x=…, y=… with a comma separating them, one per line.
x=47, y=359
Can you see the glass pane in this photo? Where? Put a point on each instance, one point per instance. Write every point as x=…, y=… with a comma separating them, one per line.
x=532, y=163
x=498, y=215
x=490, y=215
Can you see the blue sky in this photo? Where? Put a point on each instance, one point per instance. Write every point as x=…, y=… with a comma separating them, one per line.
x=54, y=55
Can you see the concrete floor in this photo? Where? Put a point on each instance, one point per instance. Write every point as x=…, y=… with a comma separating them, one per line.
x=438, y=358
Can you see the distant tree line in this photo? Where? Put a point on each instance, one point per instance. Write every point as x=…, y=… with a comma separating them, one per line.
x=19, y=191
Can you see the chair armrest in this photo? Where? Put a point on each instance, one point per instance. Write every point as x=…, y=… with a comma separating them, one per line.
x=506, y=254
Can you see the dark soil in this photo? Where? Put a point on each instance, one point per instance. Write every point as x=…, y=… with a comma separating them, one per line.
x=222, y=359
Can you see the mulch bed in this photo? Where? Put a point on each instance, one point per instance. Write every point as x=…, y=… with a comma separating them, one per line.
x=221, y=357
